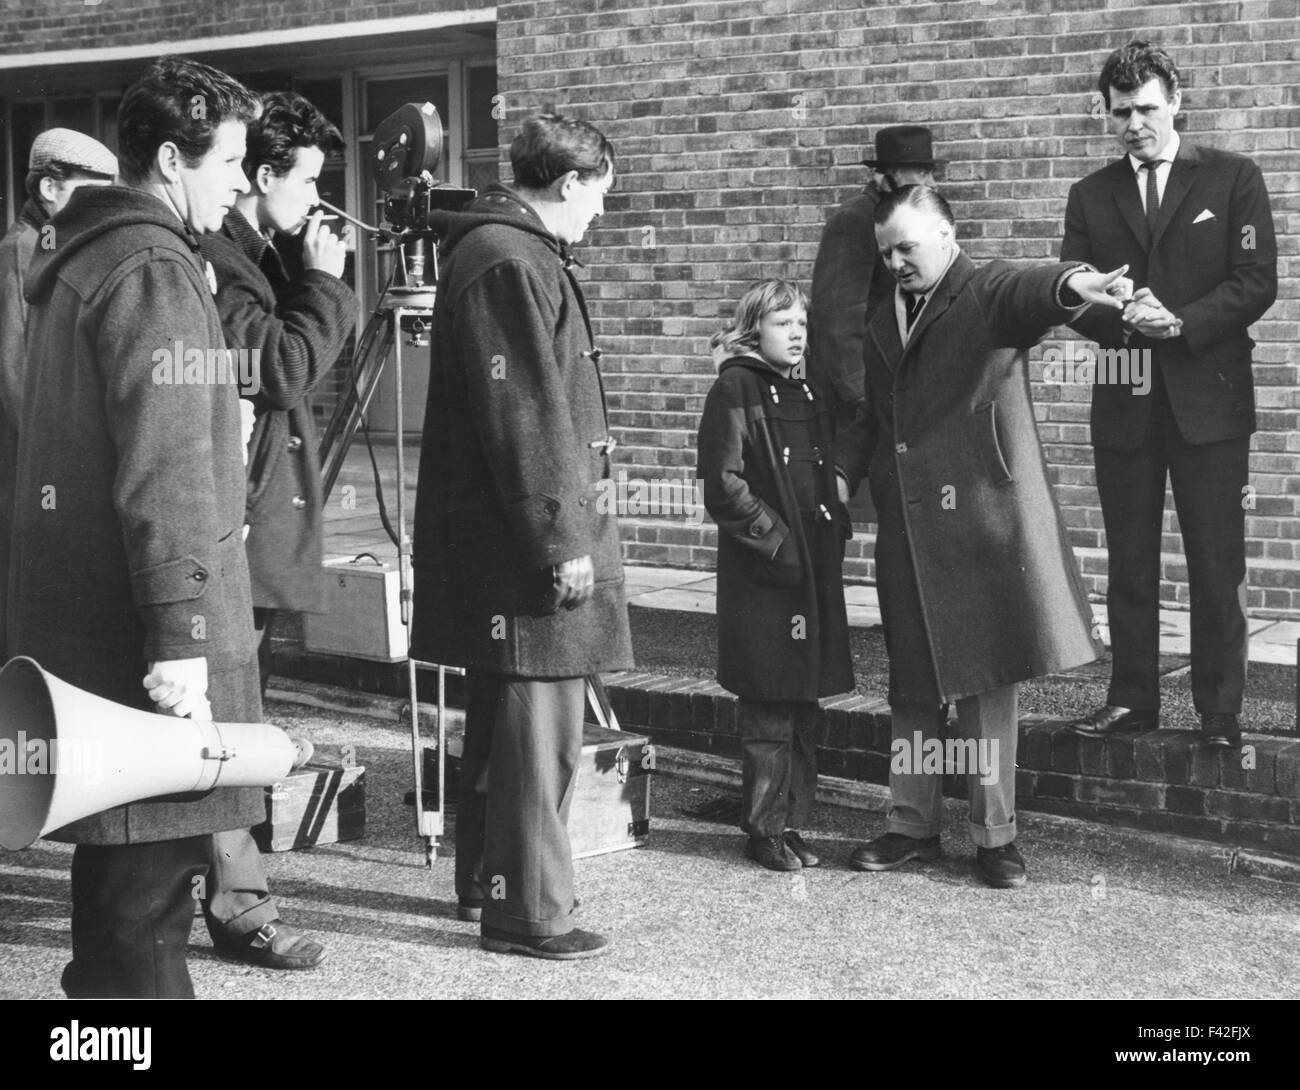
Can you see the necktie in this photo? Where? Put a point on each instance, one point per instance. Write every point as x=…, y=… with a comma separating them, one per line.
x=912, y=304
x=1153, y=198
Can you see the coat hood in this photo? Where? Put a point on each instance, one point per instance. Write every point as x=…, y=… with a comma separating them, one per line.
x=756, y=364
x=496, y=204
x=92, y=212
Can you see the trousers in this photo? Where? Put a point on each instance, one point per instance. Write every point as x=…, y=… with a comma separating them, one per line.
x=238, y=901
x=778, y=741
x=916, y=786
x=523, y=742
x=132, y=909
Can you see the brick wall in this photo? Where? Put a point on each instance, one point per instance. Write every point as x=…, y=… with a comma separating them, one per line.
x=740, y=123
x=87, y=24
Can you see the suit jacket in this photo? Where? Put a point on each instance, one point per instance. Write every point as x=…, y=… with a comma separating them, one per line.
x=1212, y=263
x=978, y=586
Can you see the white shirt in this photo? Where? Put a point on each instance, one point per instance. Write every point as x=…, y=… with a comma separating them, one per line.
x=1167, y=158
x=900, y=299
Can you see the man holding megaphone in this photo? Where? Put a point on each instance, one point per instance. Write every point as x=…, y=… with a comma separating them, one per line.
x=128, y=559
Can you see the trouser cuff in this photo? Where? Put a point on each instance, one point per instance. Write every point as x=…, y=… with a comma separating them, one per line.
x=993, y=836
x=916, y=829
x=515, y=925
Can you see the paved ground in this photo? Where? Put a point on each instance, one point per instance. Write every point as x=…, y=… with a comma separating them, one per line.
x=1107, y=913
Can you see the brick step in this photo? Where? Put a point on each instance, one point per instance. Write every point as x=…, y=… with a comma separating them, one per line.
x=1165, y=781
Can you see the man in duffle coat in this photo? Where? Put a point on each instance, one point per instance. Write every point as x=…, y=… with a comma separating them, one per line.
x=292, y=329
x=518, y=568
x=128, y=576
x=978, y=586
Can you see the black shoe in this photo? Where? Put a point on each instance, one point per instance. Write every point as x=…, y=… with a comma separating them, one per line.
x=1001, y=868
x=806, y=856
x=1221, y=729
x=893, y=850
x=772, y=852
x=571, y=946
x=275, y=945
x=1112, y=719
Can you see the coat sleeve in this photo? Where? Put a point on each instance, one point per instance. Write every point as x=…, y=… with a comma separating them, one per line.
x=1020, y=305
x=164, y=490
x=14, y=257
x=1251, y=284
x=505, y=324
x=721, y=463
x=841, y=288
x=855, y=446
x=1099, y=324
x=298, y=340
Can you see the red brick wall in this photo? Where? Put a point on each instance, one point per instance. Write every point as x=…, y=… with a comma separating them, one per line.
x=738, y=124
x=84, y=24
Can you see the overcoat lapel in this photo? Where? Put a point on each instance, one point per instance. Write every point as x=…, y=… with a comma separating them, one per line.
x=961, y=270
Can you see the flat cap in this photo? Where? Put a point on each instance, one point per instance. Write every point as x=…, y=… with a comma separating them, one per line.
x=72, y=149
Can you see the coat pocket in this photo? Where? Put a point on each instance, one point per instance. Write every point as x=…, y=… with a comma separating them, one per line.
x=782, y=570
x=986, y=438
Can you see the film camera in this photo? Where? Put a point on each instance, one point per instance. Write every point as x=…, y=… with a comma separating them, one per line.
x=406, y=150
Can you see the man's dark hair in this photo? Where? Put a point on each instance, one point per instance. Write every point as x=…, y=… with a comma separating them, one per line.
x=549, y=146
x=914, y=196
x=180, y=101
x=288, y=122
x=1129, y=67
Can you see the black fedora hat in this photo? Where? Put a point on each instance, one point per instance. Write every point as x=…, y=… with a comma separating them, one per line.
x=903, y=145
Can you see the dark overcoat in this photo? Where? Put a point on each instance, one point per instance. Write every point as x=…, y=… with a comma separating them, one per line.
x=978, y=586
x=849, y=281
x=515, y=468
x=16, y=249
x=298, y=326
x=129, y=508
x=765, y=460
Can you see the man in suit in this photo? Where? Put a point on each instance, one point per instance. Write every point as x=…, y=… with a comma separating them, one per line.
x=977, y=588
x=1194, y=226
x=849, y=276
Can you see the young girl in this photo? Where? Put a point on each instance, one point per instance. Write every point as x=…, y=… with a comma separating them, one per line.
x=766, y=460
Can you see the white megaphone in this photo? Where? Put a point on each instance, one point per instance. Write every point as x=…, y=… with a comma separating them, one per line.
x=66, y=754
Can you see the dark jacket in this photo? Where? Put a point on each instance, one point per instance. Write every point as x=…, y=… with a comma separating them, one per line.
x=16, y=249
x=1213, y=264
x=299, y=328
x=978, y=586
x=849, y=281
x=513, y=459
x=765, y=460
x=129, y=509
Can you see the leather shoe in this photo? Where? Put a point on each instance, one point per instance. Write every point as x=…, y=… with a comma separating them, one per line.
x=893, y=850
x=772, y=852
x=806, y=856
x=1221, y=729
x=570, y=946
x=1113, y=719
x=275, y=945
x=1002, y=867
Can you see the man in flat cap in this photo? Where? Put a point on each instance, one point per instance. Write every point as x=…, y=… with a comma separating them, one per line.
x=849, y=277
x=61, y=161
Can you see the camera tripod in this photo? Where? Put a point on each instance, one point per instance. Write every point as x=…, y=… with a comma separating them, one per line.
x=401, y=318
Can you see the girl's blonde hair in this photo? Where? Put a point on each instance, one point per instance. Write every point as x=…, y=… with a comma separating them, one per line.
x=741, y=335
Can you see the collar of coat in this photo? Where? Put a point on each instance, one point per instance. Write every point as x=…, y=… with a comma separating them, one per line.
x=34, y=214
x=1128, y=201
x=883, y=325
x=255, y=245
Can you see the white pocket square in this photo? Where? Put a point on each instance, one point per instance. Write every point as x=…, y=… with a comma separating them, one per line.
x=1206, y=214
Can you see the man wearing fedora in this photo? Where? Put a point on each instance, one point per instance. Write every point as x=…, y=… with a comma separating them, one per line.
x=61, y=161
x=849, y=277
